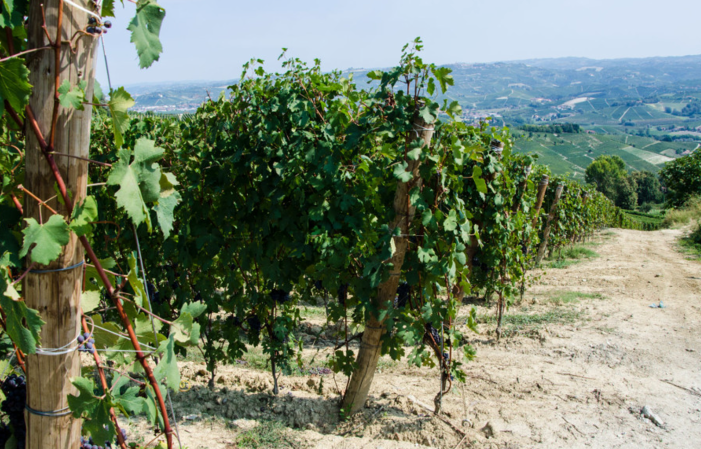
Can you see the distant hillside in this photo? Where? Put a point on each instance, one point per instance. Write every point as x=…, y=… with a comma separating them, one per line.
x=645, y=110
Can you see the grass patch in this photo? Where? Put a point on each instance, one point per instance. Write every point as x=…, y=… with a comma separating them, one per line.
x=312, y=312
x=570, y=256
x=267, y=435
x=691, y=211
x=527, y=323
x=561, y=298
x=691, y=244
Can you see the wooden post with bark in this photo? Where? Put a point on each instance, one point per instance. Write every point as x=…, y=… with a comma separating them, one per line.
x=548, y=224
x=56, y=294
x=542, y=188
x=371, y=344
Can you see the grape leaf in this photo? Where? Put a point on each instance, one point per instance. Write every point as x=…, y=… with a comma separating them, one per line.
x=22, y=324
x=12, y=13
x=136, y=283
x=185, y=330
x=138, y=181
x=95, y=411
x=120, y=102
x=49, y=239
x=9, y=217
x=14, y=83
x=479, y=182
x=108, y=8
x=145, y=28
x=89, y=301
x=83, y=216
x=129, y=401
x=167, y=368
x=165, y=212
x=71, y=98
x=401, y=174
x=104, y=339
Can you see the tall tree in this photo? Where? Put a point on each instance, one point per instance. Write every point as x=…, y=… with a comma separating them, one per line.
x=604, y=172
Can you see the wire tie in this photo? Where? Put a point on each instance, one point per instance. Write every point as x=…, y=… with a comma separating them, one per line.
x=79, y=264
x=52, y=414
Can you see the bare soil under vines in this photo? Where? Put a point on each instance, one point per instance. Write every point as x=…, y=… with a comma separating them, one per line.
x=581, y=356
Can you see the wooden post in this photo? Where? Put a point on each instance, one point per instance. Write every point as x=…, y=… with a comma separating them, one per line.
x=546, y=230
x=56, y=295
x=370, y=346
x=542, y=188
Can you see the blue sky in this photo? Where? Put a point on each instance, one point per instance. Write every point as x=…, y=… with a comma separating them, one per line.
x=211, y=39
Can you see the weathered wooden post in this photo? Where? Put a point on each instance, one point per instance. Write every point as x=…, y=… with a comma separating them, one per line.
x=55, y=290
x=542, y=188
x=548, y=224
x=371, y=344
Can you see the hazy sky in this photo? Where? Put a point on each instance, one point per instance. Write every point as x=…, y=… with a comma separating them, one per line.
x=211, y=39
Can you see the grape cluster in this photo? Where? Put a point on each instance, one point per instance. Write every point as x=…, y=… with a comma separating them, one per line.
x=87, y=443
x=319, y=285
x=15, y=390
x=153, y=294
x=343, y=294
x=433, y=332
x=254, y=323
x=89, y=345
x=94, y=27
x=233, y=320
x=279, y=296
x=403, y=295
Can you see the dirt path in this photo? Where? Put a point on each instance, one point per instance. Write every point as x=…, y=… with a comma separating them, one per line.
x=577, y=379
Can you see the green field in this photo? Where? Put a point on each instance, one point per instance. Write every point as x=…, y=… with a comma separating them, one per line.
x=571, y=153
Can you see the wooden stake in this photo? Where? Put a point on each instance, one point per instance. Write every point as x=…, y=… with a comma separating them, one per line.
x=56, y=295
x=369, y=353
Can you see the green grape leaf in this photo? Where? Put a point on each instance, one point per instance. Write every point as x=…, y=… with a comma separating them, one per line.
x=472, y=321
x=107, y=8
x=94, y=411
x=89, y=301
x=136, y=283
x=168, y=184
x=71, y=98
x=12, y=13
x=165, y=210
x=104, y=339
x=429, y=112
x=145, y=28
x=129, y=402
x=144, y=330
x=138, y=181
x=86, y=402
x=167, y=368
x=83, y=216
x=444, y=77
x=480, y=184
x=185, y=330
x=415, y=148
x=400, y=172
x=451, y=222
x=9, y=218
x=23, y=324
x=49, y=239
x=454, y=110
x=120, y=102
x=14, y=84
x=194, y=308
